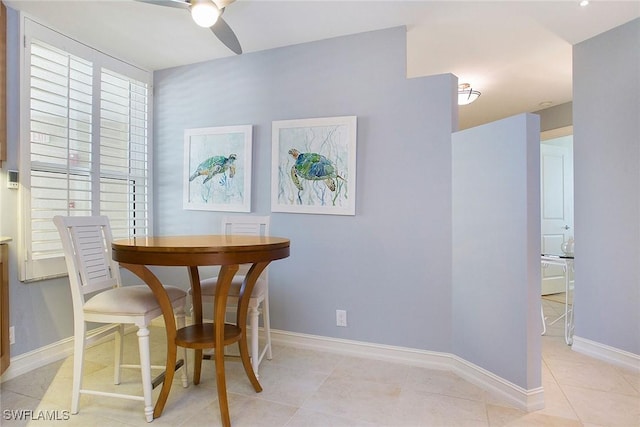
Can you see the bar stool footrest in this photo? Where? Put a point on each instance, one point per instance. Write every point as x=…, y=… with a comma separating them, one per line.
x=160, y=378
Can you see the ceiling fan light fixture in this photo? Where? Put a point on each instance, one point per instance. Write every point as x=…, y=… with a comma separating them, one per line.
x=204, y=12
x=466, y=94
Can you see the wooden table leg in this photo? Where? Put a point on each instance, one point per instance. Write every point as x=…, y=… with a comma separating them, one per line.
x=196, y=303
x=170, y=324
x=241, y=319
x=219, y=312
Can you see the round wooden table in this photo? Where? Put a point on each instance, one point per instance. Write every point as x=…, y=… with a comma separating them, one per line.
x=227, y=251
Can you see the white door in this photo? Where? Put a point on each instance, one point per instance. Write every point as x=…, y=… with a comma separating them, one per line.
x=556, y=185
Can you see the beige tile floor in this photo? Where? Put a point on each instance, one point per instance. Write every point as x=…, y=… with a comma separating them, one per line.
x=312, y=388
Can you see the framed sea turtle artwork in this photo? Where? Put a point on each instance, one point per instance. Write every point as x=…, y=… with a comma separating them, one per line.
x=217, y=168
x=314, y=166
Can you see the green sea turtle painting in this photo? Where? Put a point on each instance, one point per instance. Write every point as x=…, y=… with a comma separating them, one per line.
x=213, y=166
x=313, y=167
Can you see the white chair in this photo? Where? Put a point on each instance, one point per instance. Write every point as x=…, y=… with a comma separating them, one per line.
x=247, y=225
x=98, y=297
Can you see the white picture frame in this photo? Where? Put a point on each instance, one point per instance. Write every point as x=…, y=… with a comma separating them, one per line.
x=217, y=168
x=314, y=166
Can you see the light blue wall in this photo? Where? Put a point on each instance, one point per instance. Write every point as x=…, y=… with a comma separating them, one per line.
x=606, y=117
x=390, y=265
x=496, y=320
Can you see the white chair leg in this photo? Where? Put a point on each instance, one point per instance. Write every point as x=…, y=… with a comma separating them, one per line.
x=145, y=370
x=544, y=324
x=267, y=324
x=78, y=360
x=253, y=325
x=118, y=349
x=180, y=323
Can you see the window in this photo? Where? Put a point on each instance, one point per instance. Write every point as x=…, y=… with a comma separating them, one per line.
x=84, y=144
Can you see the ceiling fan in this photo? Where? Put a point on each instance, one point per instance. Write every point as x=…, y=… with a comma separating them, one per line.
x=208, y=14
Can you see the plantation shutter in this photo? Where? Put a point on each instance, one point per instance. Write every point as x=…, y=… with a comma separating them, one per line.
x=86, y=146
x=124, y=164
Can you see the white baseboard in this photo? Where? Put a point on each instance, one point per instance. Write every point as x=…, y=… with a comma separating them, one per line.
x=606, y=353
x=528, y=400
x=43, y=356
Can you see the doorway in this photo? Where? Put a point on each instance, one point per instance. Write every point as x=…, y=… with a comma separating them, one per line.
x=557, y=228
x=556, y=204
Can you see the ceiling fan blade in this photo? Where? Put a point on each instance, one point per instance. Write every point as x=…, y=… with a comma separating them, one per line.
x=223, y=3
x=226, y=35
x=221, y=29
x=180, y=4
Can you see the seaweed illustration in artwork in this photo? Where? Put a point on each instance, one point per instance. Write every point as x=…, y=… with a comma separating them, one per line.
x=313, y=166
x=215, y=165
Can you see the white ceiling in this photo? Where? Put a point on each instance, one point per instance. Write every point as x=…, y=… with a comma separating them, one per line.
x=517, y=53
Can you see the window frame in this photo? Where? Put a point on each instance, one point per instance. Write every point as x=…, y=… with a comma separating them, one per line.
x=40, y=269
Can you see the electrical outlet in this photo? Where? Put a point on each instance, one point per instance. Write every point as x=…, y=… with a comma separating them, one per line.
x=341, y=318
x=12, y=335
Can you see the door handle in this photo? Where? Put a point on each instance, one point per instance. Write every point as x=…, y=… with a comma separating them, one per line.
x=566, y=227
